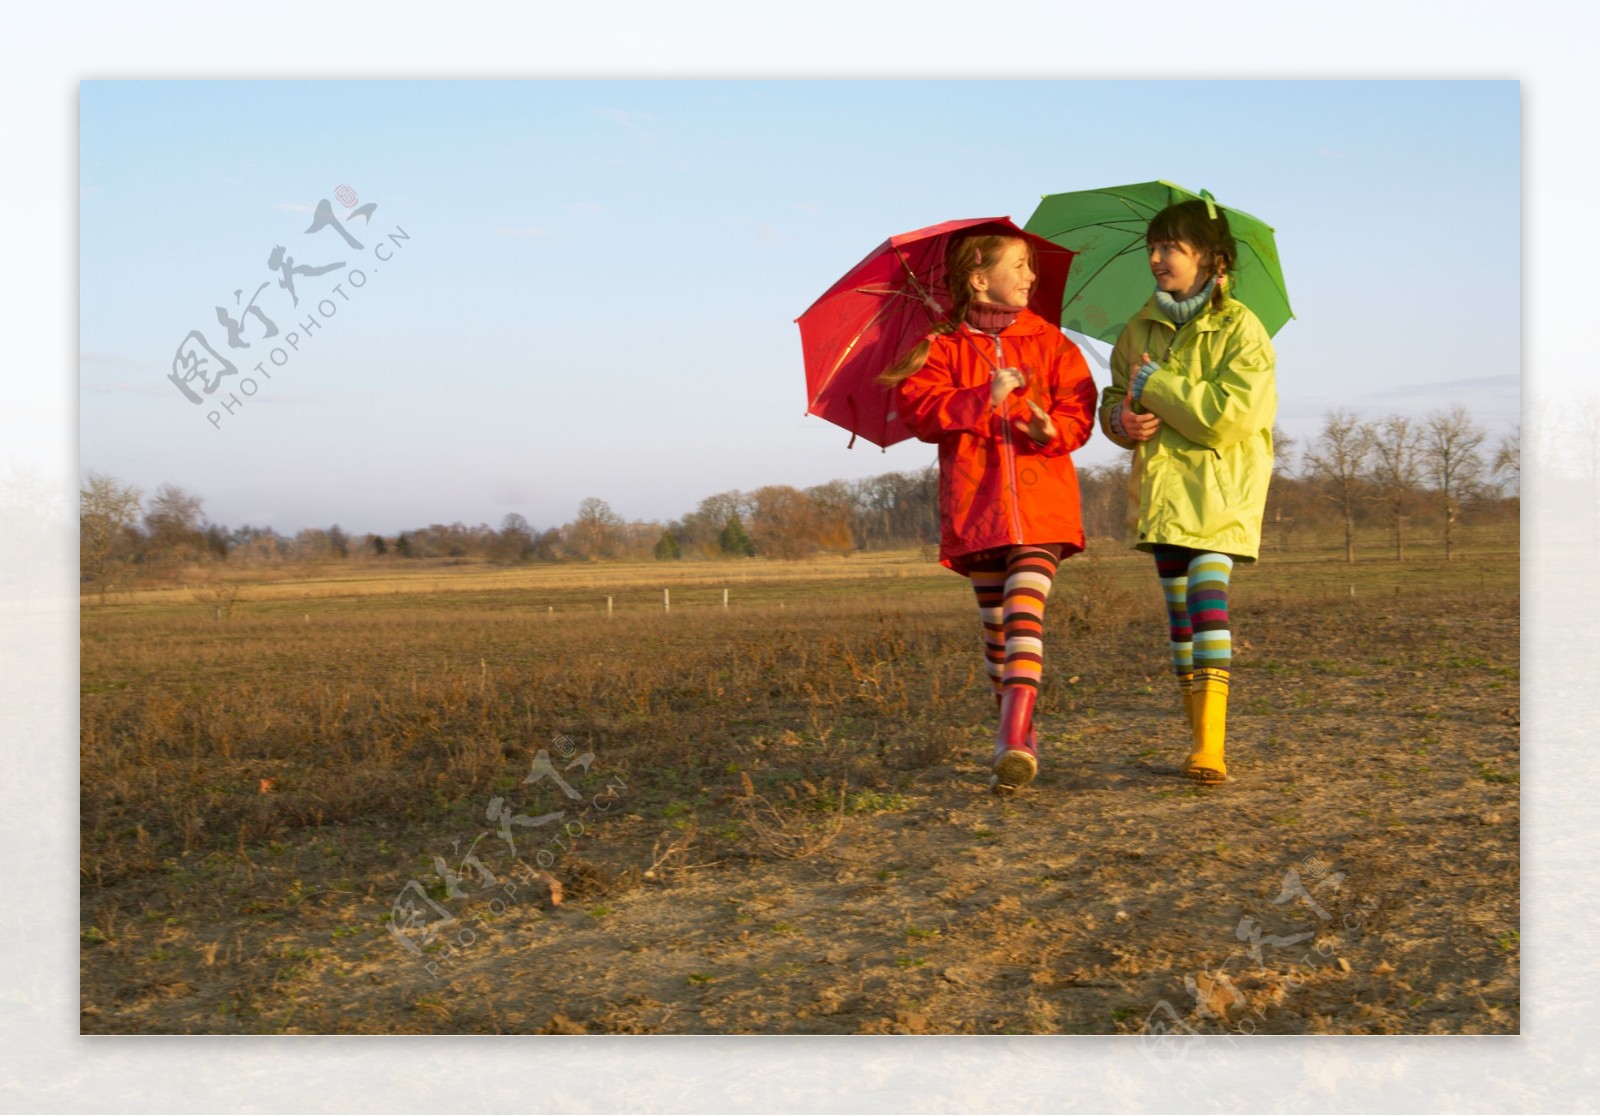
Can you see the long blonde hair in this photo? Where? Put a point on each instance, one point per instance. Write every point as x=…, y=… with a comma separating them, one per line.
x=965, y=257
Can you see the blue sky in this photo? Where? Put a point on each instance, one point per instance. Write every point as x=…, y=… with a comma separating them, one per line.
x=596, y=292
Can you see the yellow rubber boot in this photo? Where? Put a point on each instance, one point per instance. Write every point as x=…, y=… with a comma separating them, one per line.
x=1186, y=688
x=1209, y=717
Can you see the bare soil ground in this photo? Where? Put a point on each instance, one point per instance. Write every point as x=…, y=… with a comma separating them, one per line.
x=745, y=856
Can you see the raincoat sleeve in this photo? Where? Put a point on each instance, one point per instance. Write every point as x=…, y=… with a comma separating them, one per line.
x=1228, y=405
x=932, y=406
x=1072, y=406
x=1111, y=398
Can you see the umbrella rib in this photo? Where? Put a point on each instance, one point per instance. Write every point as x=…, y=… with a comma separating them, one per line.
x=1111, y=225
x=927, y=299
x=1144, y=214
x=1091, y=278
x=891, y=291
x=1272, y=278
x=955, y=327
x=850, y=348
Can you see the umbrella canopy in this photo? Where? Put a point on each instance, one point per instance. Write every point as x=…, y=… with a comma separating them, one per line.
x=888, y=303
x=1111, y=275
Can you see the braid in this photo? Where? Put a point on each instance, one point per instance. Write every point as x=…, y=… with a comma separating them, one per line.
x=965, y=257
x=1192, y=223
x=910, y=364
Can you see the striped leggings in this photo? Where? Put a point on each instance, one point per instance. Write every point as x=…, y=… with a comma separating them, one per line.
x=1195, y=584
x=1012, y=587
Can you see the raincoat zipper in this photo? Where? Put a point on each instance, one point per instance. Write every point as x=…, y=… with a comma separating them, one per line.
x=1011, y=451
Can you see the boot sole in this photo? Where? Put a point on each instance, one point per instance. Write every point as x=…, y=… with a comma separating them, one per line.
x=1206, y=776
x=1014, y=771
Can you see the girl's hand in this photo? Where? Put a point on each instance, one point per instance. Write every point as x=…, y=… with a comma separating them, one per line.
x=1139, y=427
x=1040, y=428
x=1006, y=380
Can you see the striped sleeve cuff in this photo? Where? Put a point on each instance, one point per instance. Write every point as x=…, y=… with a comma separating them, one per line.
x=1116, y=423
x=1136, y=387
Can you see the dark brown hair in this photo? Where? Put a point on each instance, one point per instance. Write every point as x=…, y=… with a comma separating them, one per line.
x=1209, y=236
x=965, y=257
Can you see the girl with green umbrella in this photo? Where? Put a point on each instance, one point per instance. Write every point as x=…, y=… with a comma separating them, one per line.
x=1193, y=396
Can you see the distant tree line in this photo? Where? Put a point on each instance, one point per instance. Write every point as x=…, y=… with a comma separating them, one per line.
x=1403, y=474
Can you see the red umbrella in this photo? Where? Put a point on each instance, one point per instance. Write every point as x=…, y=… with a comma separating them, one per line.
x=888, y=303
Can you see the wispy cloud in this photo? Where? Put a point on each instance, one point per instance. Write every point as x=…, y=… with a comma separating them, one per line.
x=1446, y=390
x=638, y=123
x=151, y=387
x=633, y=121
x=105, y=358
x=158, y=387
x=767, y=233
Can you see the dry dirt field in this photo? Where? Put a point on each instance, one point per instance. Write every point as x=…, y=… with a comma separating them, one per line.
x=342, y=809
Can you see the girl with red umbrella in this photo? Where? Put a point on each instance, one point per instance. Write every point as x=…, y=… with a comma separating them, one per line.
x=1008, y=398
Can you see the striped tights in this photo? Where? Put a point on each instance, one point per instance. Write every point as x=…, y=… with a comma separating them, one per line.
x=1012, y=588
x=1195, y=584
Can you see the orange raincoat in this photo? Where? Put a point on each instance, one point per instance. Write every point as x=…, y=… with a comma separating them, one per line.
x=997, y=486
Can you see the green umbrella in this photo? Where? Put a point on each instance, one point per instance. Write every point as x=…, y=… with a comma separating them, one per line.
x=1110, y=276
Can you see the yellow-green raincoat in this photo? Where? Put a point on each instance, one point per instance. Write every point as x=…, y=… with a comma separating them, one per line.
x=1201, y=482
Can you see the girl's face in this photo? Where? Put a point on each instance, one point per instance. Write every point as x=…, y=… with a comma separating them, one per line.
x=1009, y=281
x=1178, y=268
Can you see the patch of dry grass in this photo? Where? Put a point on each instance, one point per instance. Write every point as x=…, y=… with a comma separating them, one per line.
x=257, y=787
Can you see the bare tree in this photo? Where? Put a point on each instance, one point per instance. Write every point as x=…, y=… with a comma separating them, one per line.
x=174, y=524
x=1337, y=461
x=787, y=523
x=596, y=532
x=1396, y=472
x=840, y=500
x=1450, y=443
x=514, y=542
x=1283, y=452
x=311, y=544
x=1507, y=465
x=781, y=520
x=700, y=533
x=1103, y=498
x=106, y=512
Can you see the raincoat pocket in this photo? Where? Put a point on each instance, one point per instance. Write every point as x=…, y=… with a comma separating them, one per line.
x=1224, y=479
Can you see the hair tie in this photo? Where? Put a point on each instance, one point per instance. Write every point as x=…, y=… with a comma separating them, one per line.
x=977, y=257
